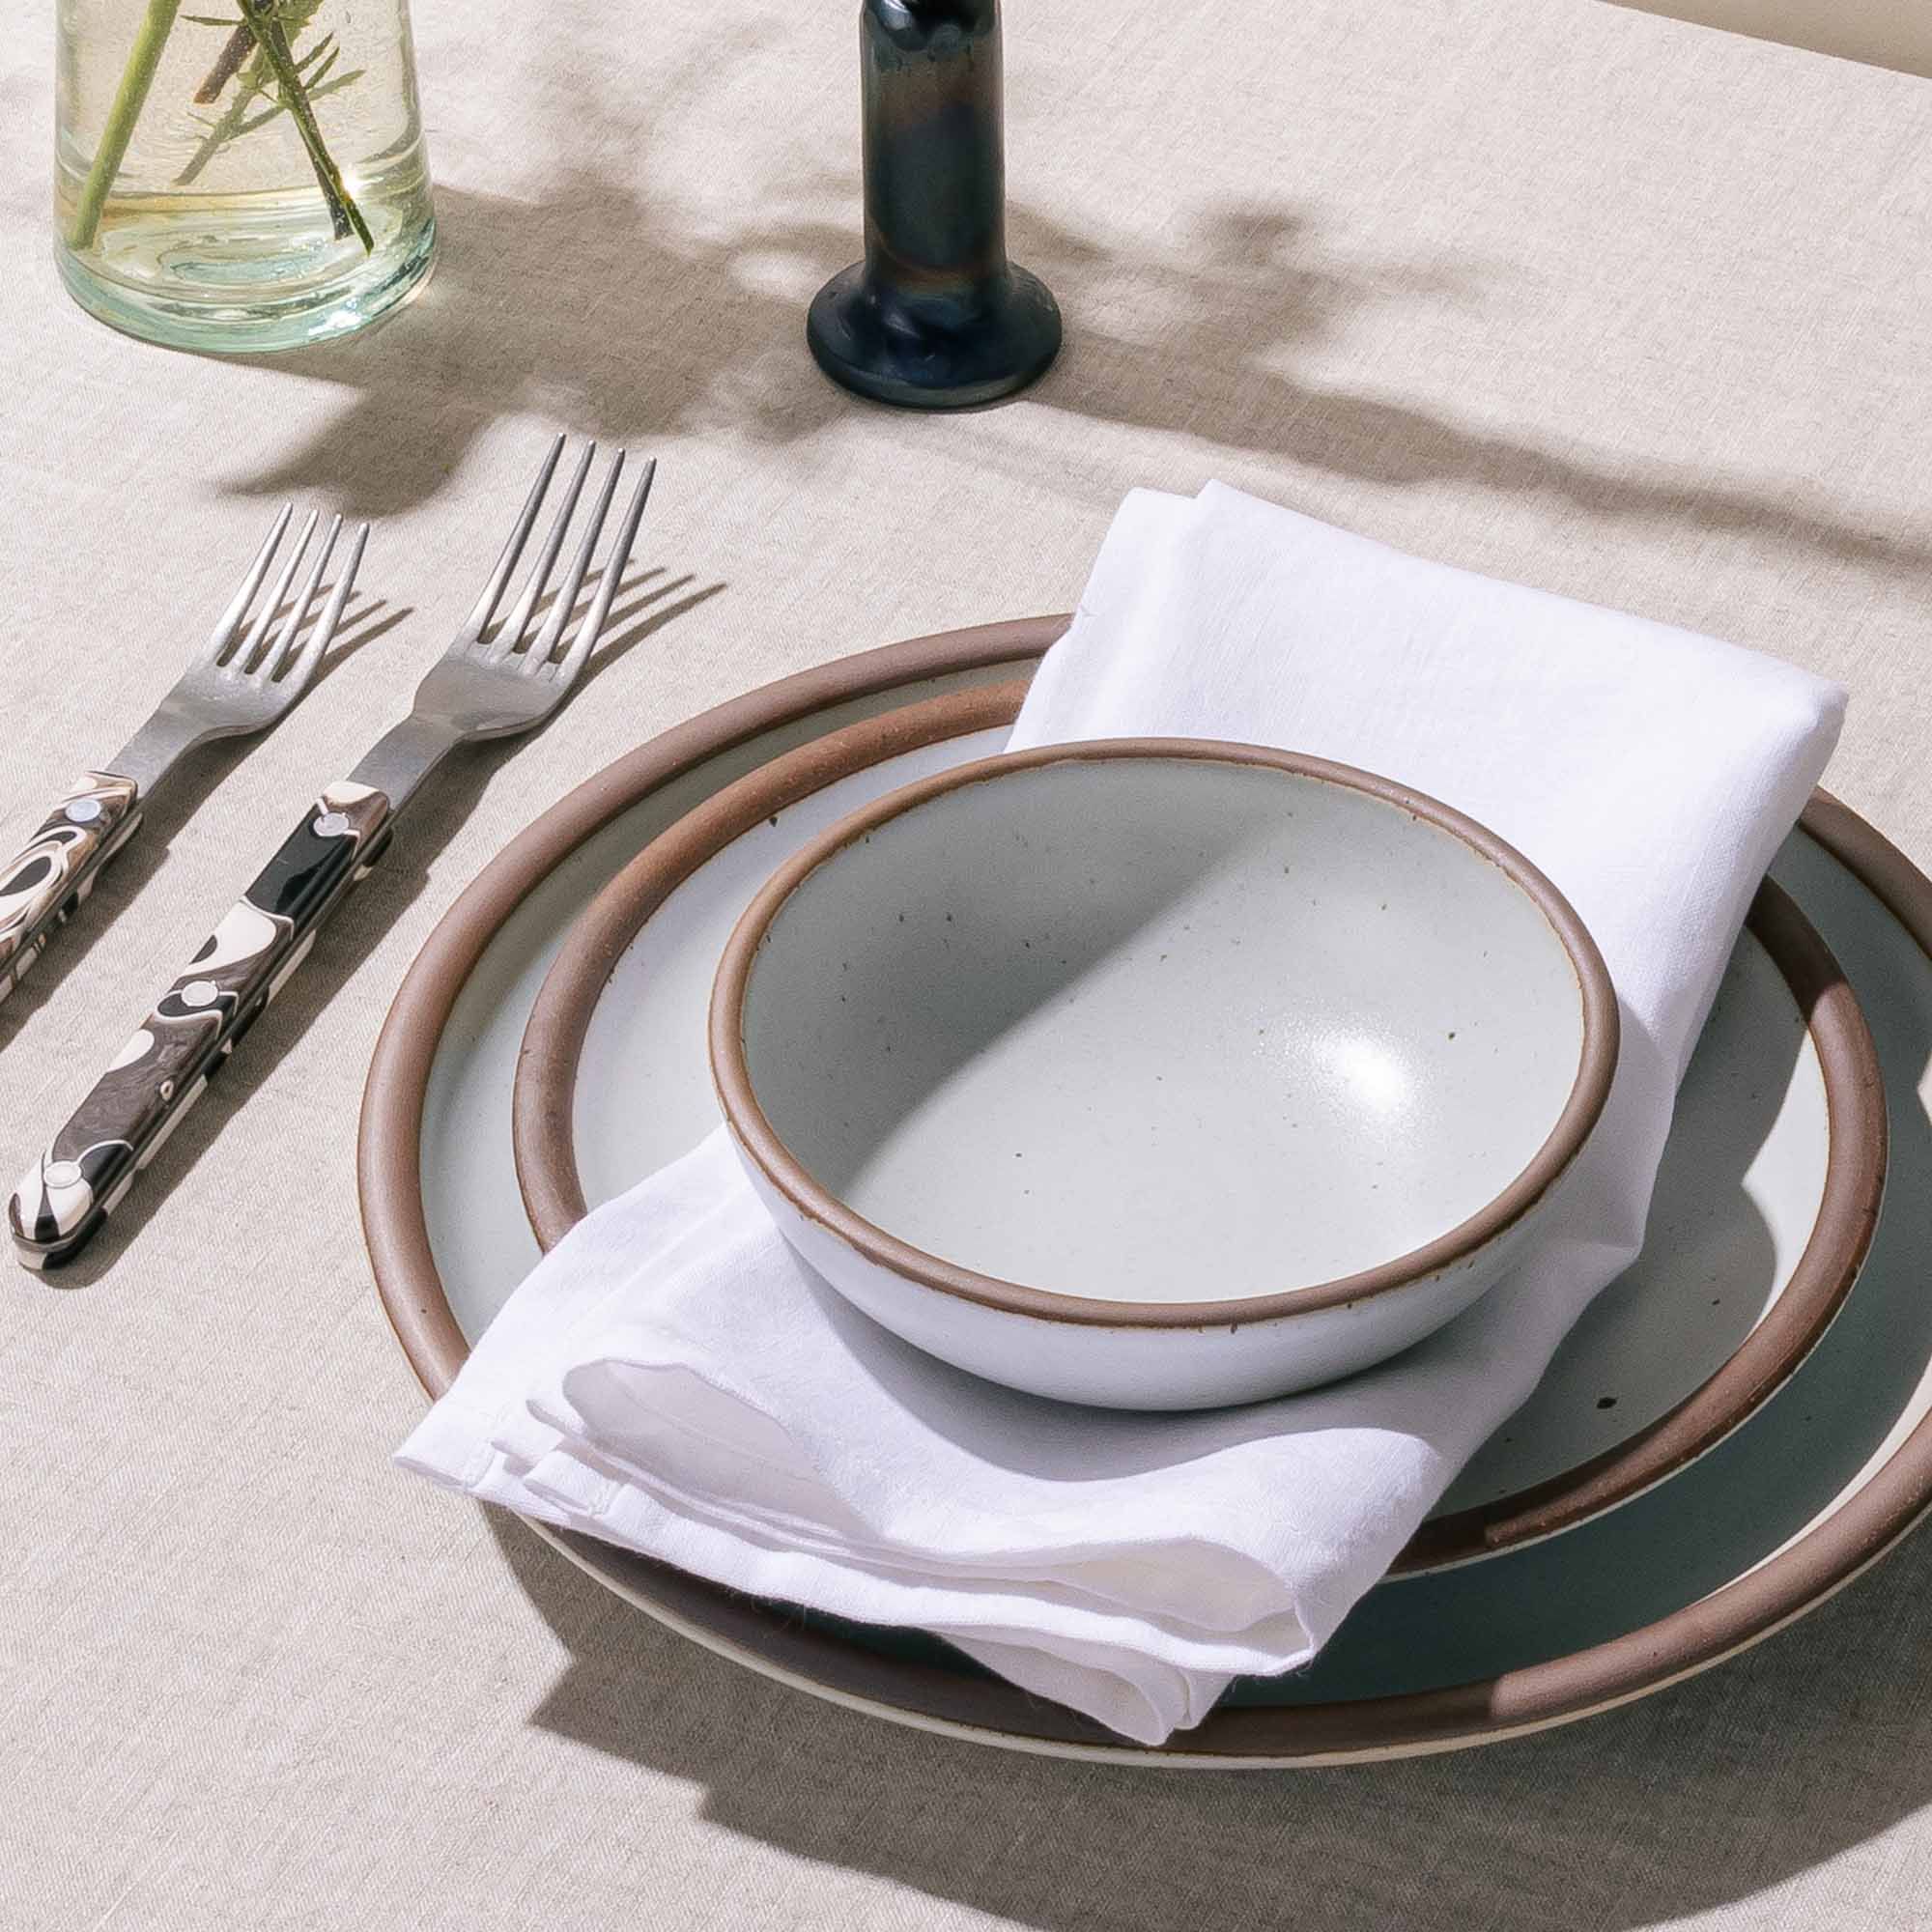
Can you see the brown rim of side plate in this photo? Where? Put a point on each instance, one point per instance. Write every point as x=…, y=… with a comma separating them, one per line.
x=767, y=1148
x=543, y=1117
x=773, y=1638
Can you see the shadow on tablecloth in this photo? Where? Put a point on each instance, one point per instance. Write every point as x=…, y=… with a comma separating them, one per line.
x=1703, y=1795
x=602, y=306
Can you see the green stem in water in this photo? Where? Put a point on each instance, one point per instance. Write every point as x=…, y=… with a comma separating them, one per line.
x=255, y=84
x=128, y=99
x=273, y=42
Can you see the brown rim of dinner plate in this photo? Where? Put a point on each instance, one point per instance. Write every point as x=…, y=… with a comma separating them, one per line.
x=1856, y=1135
x=543, y=1128
x=773, y=1638
x=767, y=1149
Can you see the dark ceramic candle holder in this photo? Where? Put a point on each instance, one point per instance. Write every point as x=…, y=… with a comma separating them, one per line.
x=935, y=317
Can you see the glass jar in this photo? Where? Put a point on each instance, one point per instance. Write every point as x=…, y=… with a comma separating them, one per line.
x=246, y=177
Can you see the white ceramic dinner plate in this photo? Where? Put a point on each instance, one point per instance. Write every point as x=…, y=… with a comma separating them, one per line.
x=1817, y=1484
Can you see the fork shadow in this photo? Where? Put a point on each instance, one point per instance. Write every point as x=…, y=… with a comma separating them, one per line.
x=399, y=878
x=188, y=788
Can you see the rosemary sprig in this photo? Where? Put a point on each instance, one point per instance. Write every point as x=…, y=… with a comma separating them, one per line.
x=265, y=23
x=256, y=83
x=239, y=45
x=316, y=88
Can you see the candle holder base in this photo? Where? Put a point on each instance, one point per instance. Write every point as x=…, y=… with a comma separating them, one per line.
x=939, y=352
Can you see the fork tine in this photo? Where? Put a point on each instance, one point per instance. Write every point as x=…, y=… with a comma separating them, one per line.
x=518, y=621
x=310, y=656
x=492, y=591
x=615, y=565
x=539, y=653
x=281, y=653
x=249, y=652
x=224, y=633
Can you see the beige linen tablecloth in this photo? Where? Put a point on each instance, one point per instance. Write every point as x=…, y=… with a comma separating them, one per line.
x=1632, y=310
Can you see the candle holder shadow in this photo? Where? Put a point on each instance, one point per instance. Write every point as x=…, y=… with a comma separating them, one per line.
x=935, y=317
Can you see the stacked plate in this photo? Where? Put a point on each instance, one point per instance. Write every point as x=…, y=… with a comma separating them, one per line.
x=1717, y=1462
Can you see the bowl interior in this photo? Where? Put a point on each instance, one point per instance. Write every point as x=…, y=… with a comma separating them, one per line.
x=1161, y=1027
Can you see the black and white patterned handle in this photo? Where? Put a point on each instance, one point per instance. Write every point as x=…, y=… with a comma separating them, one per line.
x=43, y=885
x=162, y=1070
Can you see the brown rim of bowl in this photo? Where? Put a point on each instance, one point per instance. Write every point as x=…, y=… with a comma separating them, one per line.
x=766, y=1147
x=773, y=1638
x=543, y=1129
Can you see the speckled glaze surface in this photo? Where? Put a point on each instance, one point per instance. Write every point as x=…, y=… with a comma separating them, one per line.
x=1764, y=1205
x=1158, y=1074
x=1814, y=1489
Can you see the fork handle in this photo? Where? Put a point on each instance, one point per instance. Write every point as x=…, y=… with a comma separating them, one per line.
x=163, y=1069
x=44, y=883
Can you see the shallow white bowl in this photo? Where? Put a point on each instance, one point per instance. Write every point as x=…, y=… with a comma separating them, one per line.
x=1160, y=1074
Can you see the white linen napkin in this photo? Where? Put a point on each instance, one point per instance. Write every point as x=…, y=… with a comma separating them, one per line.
x=673, y=1378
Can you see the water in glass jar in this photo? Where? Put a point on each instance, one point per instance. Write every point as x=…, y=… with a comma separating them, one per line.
x=247, y=176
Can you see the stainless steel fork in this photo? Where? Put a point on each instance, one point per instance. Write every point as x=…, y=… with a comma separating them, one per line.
x=239, y=684
x=486, y=685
